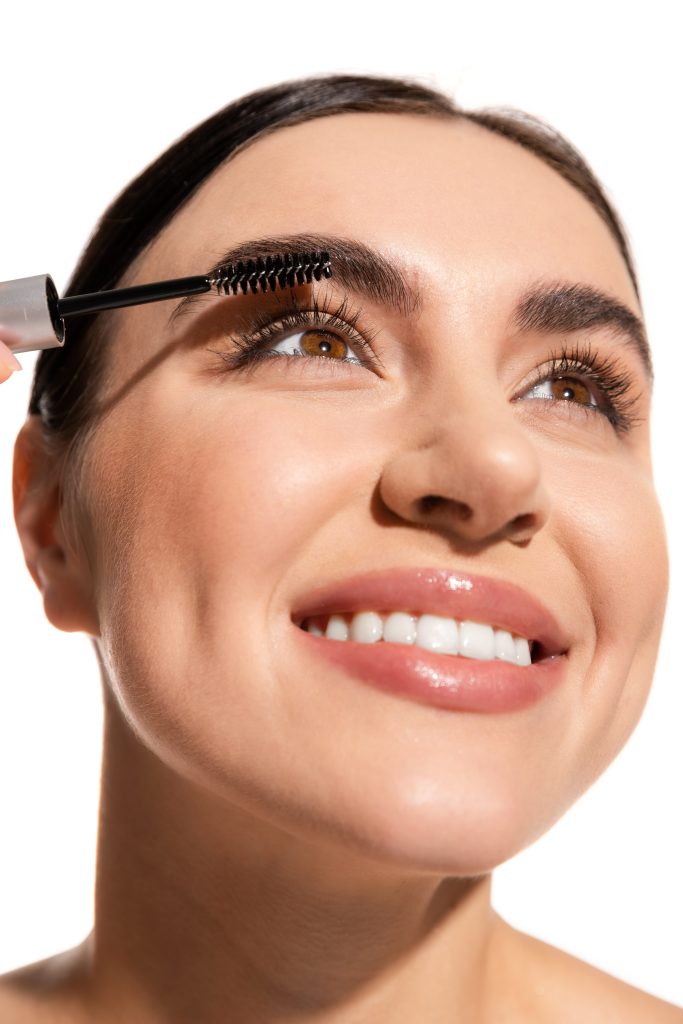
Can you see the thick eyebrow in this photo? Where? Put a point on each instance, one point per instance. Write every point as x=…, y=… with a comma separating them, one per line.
x=560, y=306
x=355, y=266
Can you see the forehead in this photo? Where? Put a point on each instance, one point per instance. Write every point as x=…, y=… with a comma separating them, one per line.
x=458, y=203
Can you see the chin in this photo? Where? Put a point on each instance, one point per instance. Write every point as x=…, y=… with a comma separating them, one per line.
x=427, y=827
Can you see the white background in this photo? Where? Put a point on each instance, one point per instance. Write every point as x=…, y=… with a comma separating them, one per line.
x=91, y=94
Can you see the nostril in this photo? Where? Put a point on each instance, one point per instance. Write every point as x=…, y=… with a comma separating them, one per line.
x=429, y=502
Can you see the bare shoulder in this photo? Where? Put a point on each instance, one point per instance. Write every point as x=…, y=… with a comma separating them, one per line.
x=564, y=988
x=42, y=992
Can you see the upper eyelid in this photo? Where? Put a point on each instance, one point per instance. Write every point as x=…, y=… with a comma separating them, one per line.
x=337, y=311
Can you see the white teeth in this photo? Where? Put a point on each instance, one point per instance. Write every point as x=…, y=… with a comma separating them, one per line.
x=504, y=645
x=337, y=628
x=366, y=628
x=523, y=651
x=476, y=641
x=400, y=628
x=432, y=632
x=436, y=633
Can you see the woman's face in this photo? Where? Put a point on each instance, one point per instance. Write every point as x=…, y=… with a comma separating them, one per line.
x=217, y=499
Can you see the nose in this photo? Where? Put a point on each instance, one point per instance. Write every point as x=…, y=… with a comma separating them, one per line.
x=473, y=473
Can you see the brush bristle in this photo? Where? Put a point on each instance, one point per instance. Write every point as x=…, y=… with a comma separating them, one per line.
x=274, y=272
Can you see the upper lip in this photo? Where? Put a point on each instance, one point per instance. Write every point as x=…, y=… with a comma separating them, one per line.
x=446, y=592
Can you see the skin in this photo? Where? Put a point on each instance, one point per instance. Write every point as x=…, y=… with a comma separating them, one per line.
x=276, y=840
x=9, y=363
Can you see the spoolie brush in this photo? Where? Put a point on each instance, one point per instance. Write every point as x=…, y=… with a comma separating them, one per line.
x=33, y=314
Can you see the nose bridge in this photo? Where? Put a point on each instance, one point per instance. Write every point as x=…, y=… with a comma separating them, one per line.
x=460, y=390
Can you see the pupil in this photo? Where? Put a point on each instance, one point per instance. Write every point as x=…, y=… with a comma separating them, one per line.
x=325, y=346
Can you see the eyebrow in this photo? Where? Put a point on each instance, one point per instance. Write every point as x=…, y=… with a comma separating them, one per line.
x=559, y=307
x=355, y=266
x=554, y=306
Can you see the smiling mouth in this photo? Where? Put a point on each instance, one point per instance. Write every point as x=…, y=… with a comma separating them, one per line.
x=434, y=610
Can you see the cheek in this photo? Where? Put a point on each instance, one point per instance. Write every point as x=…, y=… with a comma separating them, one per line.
x=617, y=542
x=229, y=496
x=200, y=530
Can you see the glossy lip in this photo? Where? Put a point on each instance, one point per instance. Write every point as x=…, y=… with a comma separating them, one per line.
x=447, y=592
x=446, y=682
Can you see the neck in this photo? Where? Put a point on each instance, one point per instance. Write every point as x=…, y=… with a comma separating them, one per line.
x=205, y=912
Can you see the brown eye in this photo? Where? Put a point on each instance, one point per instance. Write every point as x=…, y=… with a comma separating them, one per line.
x=316, y=336
x=322, y=343
x=564, y=388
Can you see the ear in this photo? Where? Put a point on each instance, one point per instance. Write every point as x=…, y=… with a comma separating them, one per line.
x=61, y=573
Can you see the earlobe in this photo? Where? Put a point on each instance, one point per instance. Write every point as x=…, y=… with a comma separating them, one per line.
x=58, y=569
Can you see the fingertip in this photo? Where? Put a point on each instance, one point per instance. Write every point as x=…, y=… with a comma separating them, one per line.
x=9, y=363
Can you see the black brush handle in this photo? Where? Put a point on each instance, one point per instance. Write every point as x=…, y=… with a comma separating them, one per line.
x=274, y=272
x=94, y=302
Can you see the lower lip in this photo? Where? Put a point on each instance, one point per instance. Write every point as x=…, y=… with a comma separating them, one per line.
x=442, y=680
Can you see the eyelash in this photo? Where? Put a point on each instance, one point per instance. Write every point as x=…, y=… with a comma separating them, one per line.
x=266, y=330
x=579, y=362
x=582, y=363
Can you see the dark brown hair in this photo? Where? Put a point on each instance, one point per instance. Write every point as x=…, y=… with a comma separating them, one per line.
x=66, y=381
